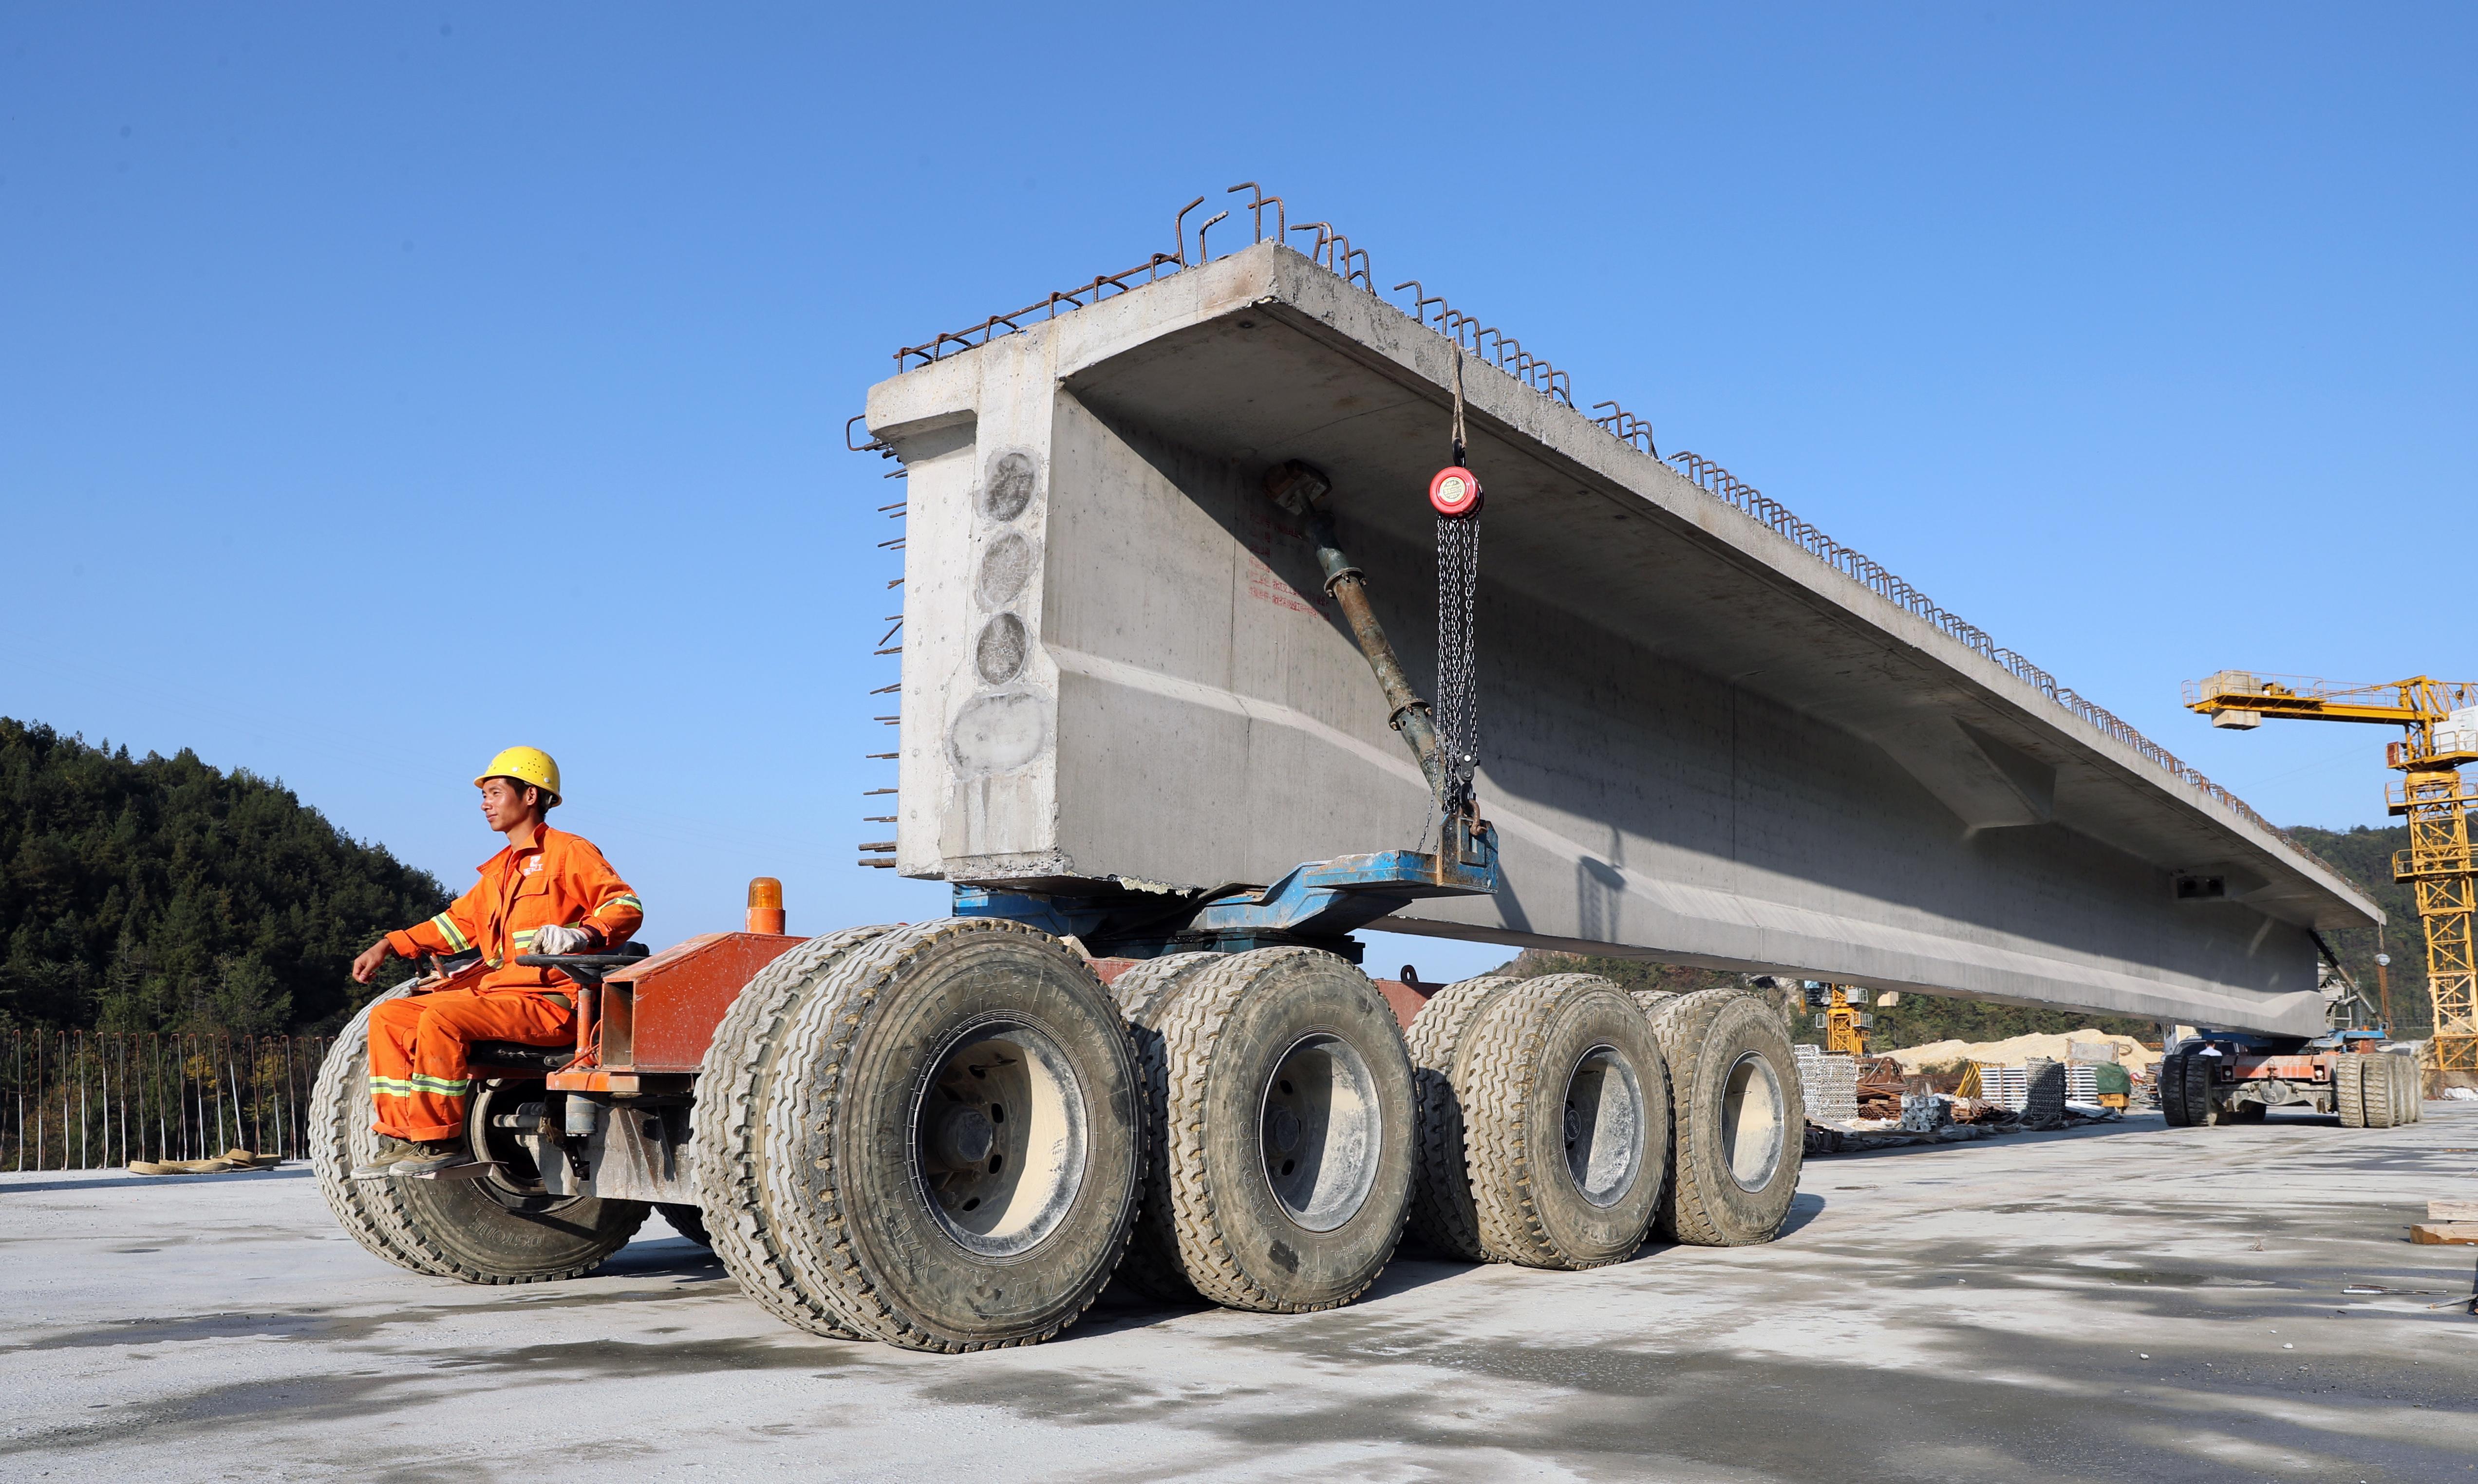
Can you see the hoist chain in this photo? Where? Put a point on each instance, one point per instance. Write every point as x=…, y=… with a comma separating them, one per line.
x=1457, y=708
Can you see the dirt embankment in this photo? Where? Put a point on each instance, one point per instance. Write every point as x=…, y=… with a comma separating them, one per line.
x=2015, y=1050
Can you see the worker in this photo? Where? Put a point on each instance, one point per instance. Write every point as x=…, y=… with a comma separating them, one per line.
x=549, y=892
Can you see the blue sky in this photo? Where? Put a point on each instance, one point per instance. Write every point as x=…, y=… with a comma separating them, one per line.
x=380, y=385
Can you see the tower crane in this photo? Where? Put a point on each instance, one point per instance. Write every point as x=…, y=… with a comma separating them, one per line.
x=2440, y=733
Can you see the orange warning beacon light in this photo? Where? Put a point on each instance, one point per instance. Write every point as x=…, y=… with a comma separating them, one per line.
x=766, y=906
x=1455, y=492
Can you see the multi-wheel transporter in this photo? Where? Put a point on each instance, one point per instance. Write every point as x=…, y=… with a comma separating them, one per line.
x=954, y=1134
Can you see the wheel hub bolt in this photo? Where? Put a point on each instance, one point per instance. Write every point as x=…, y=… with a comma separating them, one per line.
x=1282, y=1129
x=964, y=1136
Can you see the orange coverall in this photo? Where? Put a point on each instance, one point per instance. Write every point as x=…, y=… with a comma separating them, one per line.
x=418, y=1076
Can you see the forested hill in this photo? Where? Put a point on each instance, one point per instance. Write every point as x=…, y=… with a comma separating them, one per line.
x=161, y=893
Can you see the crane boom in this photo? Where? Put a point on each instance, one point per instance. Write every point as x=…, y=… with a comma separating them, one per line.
x=2241, y=699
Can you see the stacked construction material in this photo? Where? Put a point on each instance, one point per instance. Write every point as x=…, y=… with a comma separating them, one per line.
x=2004, y=1086
x=2043, y=1098
x=1881, y=1088
x=2081, y=1083
x=1831, y=1084
x=1924, y=1113
x=2111, y=1085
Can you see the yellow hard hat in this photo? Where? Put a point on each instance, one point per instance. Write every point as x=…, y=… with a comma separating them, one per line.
x=526, y=764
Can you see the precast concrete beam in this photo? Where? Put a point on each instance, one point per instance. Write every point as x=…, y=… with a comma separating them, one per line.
x=1700, y=744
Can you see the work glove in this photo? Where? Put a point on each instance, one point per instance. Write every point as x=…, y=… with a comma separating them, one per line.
x=564, y=939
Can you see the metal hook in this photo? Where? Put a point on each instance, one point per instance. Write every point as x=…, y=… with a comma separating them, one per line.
x=1324, y=250
x=1282, y=217
x=1420, y=308
x=1179, y=230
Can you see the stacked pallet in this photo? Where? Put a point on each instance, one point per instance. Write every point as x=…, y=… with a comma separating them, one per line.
x=2081, y=1083
x=2448, y=1222
x=1831, y=1083
x=2007, y=1087
x=2044, y=1095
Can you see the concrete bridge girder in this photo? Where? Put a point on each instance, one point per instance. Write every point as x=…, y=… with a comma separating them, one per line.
x=1700, y=744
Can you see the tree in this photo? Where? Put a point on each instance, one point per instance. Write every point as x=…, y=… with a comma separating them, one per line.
x=159, y=893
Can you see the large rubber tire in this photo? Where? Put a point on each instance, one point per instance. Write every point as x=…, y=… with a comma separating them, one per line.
x=687, y=1221
x=727, y=1134
x=2170, y=1081
x=478, y=1230
x=1443, y=1214
x=1142, y=994
x=339, y=1116
x=1565, y=1104
x=913, y=1049
x=2201, y=1110
x=1291, y=1132
x=2382, y=1102
x=2411, y=1080
x=1650, y=1000
x=2349, y=1090
x=1738, y=1119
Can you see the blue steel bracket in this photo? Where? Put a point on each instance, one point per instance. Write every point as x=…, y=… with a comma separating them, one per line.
x=1320, y=899
x=1329, y=898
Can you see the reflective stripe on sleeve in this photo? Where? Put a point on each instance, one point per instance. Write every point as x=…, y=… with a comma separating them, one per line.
x=457, y=941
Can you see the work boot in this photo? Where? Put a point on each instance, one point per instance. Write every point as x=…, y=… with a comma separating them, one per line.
x=383, y=1162
x=430, y=1157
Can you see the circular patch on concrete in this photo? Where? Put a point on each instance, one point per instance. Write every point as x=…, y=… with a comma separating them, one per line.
x=1008, y=489
x=1005, y=567
x=999, y=652
x=993, y=734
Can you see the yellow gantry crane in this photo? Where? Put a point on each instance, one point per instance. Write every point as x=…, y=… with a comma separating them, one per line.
x=2440, y=720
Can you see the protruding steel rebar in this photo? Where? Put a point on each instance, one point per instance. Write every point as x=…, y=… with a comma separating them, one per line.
x=1282, y=217
x=1178, y=229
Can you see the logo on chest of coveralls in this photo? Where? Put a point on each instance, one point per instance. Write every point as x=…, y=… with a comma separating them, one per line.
x=533, y=866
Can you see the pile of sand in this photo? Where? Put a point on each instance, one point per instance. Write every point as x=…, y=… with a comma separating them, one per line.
x=2014, y=1052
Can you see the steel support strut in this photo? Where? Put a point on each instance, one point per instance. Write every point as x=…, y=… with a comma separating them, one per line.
x=1297, y=488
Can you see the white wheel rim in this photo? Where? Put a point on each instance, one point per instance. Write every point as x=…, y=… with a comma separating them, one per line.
x=505, y=1182
x=1604, y=1125
x=1320, y=1132
x=1751, y=1121
x=999, y=1139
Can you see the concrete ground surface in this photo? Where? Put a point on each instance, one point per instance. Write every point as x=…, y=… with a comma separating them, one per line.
x=2127, y=1301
